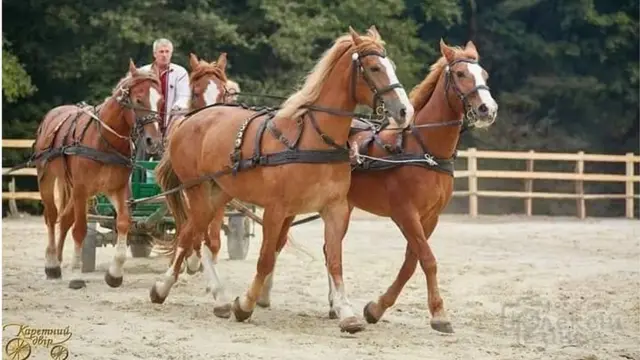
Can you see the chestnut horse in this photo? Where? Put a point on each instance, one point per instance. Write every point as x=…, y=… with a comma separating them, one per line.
x=209, y=85
x=296, y=169
x=80, y=152
x=408, y=176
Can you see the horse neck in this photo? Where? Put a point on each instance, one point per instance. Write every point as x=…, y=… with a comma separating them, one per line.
x=335, y=126
x=116, y=117
x=441, y=141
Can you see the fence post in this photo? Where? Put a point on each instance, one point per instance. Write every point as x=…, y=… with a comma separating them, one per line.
x=580, y=205
x=13, y=207
x=472, y=166
x=629, y=187
x=528, y=187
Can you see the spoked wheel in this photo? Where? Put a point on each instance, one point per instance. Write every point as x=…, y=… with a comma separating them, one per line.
x=140, y=245
x=59, y=352
x=18, y=349
x=238, y=237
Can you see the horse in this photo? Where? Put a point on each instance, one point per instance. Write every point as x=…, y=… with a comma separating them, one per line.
x=81, y=151
x=209, y=85
x=407, y=176
x=285, y=176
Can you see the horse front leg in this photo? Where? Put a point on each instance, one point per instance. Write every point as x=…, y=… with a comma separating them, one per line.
x=336, y=219
x=265, y=297
x=113, y=276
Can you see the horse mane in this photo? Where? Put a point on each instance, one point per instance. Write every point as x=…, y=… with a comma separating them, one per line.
x=204, y=68
x=129, y=81
x=421, y=93
x=310, y=90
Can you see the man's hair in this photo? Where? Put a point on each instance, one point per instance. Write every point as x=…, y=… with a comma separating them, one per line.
x=162, y=42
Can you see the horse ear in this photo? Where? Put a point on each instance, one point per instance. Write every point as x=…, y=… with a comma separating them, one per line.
x=373, y=32
x=193, y=61
x=132, y=67
x=446, y=51
x=222, y=60
x=470, y=46
x=355, y=36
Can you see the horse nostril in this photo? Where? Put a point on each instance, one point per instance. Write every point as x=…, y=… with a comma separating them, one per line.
x=403, y=113
x=483, y=109
x=148, y=141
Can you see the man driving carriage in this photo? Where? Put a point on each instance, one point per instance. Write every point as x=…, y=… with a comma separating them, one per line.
x=174, y=80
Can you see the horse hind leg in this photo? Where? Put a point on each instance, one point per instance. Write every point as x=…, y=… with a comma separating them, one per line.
x=47, y=187
x=199, y=216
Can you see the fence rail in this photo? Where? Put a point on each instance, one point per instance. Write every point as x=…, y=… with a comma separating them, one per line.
x=472, y=173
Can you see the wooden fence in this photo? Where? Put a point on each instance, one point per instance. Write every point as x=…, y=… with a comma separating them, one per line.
x=473, y=173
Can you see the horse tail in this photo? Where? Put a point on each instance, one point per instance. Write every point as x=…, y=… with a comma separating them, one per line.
x=167, y=179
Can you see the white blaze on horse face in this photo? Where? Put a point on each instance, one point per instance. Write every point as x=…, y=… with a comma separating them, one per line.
x=211, y=93
x=485, y=95
x=154, y=96
x=402, y=95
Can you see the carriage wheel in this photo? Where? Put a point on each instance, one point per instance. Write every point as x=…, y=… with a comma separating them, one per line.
x=238, y=237
x=18, y=349
x=141, y=245
x=59, y=352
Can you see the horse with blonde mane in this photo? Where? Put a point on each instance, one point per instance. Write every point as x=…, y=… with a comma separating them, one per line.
x=407, y=175
x=294, y=169
x=81, y=151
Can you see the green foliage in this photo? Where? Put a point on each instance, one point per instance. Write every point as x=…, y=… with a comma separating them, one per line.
x=16, y=83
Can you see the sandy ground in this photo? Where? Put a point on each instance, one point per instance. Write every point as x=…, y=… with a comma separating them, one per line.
x=515, y=288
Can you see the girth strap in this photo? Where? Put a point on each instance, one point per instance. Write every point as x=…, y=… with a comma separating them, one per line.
x=446, y=166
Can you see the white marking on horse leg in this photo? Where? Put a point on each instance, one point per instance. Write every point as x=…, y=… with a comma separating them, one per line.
x=193, y=262
x=402, y=95
x=211, y=93
x=338, y=298
x=76, y=263
x=214, y=283
x=265, y=295
x=50, y=258
x=116, y=267
x=169, y=279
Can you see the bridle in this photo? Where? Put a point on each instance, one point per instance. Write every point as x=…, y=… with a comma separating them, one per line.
x=124, y=100
x=469, y=112
x=378, y=103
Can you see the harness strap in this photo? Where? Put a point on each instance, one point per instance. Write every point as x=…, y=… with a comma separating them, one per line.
x=446, y=166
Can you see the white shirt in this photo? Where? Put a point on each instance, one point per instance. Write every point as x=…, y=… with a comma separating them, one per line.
x=178, y=91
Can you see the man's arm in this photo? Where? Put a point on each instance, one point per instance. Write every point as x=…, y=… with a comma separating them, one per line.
x=183, y=91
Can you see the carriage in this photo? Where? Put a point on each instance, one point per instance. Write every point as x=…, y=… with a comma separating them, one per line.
x=152, y=221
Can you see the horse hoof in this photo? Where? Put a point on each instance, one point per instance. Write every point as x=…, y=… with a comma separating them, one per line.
x=333, y=314
x=443, y=326
x=155, y=297
x=112, y=281
x=240, y=314
x=370, y=313
x=192, y=272
x=53, y=272
x=263, y=303
x=77, y=284
x=222, y=311
x=351, y=325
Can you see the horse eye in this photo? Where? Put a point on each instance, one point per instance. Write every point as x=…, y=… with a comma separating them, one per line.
x=459, y=74
x=375, y=68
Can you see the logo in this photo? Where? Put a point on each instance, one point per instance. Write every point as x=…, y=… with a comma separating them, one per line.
x=535, y=321
x=25, y=340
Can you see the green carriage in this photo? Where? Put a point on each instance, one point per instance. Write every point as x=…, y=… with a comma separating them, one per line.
x=152, y=220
